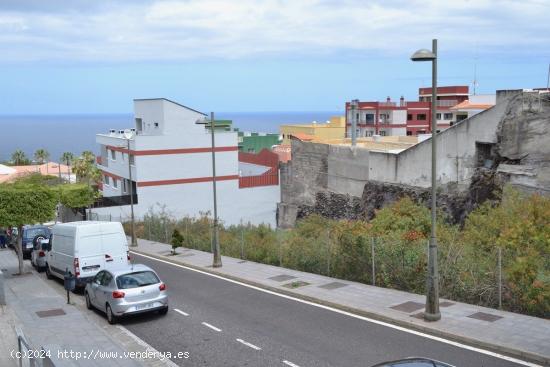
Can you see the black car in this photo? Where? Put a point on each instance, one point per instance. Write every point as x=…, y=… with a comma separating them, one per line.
x=31, y=237
x=413, y=362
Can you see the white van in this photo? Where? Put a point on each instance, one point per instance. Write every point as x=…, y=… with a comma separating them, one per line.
x=85, y=248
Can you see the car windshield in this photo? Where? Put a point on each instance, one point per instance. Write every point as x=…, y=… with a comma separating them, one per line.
x=137, y=279
x=32, y=232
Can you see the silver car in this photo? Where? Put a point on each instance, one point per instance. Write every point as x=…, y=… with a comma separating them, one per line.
x=38, y=254
x=130, y=290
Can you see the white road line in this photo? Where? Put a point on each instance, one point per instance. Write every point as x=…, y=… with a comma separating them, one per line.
x=288, y=363
x=249, y=344
x=211, y=327
x=181, y=312
x=386, y=324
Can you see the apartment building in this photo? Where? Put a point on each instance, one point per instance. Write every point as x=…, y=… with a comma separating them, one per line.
x=414, y=117
x=169, y=156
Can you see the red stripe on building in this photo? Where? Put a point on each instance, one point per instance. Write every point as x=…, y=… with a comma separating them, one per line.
x=186, y=181
x=174, y=151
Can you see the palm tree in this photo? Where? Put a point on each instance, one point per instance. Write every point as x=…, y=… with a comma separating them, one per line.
x=68, y=158
x=41, y=155
x=18, y=157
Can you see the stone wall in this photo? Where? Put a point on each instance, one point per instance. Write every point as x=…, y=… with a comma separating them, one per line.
x=506, y=143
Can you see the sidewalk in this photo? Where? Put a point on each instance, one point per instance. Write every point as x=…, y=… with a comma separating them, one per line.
x=523, y=337
x=38, y=307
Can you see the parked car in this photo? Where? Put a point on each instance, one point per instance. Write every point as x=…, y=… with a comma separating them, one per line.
x=85, y=248
x=31, y=236
x=38, y=255
x=414, y=362
x=127, y=291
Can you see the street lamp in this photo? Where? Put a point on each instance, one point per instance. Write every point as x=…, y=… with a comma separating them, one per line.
x=432, y=284
x=217, y=259
x=128, y=135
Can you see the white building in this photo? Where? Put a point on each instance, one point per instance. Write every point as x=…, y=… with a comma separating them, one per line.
x=170, y=156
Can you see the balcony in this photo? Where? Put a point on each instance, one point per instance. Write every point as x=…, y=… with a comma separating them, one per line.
x=447, y=103
x=108, y=201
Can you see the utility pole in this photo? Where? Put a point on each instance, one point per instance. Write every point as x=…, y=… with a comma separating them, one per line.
x=134, y=240
x=354, y=105
x=432, y=282
x=217, y=260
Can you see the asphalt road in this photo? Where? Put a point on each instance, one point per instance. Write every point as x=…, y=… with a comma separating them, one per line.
x=225, y=324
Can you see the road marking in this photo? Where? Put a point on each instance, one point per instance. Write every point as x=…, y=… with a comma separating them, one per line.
x=342, y=312
x=249, y=344
x=166, y=361
x=288, y=363
x=211, y=327
x=181, y=312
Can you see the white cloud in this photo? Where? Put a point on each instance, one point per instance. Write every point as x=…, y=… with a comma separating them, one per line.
x=195, y=29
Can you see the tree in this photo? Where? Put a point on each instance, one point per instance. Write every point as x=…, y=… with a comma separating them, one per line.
x=22, y=204
x=41, y=155
x=19, y=158
x=67, y=158
x=177, y=240
x=85, y=169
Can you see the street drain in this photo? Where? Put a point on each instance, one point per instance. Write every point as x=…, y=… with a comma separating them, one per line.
x=50, y=313
x=408, y=307
x=484, y=316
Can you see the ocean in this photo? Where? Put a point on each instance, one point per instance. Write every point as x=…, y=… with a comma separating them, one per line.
x=76, y=133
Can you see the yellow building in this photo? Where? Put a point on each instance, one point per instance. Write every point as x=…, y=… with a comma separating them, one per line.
x=315, y=131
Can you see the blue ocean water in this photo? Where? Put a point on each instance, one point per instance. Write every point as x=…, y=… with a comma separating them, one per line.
x=76, y=133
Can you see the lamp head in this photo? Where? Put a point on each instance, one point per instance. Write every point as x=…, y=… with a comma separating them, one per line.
x=423, y=55
x=128, y=134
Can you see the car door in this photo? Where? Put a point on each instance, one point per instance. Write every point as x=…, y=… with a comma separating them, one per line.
x=104, y=289
x=95, y=285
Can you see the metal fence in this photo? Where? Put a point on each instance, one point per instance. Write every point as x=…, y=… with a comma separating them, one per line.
x=370, y=260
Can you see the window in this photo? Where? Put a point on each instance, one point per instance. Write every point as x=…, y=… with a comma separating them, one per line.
x=124, y=186
x=136, y=280
x=409, y=133
x=107, y=277
x=421, y=117
x=369, y=133
x=438, y=116
x=369, y=118
x=448, y=116
x=382, y=133
x=106, y=180
x=115, y=183
x=113, y=155
x=139, y=124
x=409, y=116
x=156, y=124
x=132, y=160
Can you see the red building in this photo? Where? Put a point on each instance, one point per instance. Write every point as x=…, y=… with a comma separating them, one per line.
x=406, y=117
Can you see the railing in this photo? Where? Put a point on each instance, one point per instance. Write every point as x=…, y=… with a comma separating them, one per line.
x=29, y=356
x=108, y=201
x=388, y=104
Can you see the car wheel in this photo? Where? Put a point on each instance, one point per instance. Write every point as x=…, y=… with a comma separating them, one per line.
x=88, y=303
x=111, y=318
x=48, y=272
x=163, y=311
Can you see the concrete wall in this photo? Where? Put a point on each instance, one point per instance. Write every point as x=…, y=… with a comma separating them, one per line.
x=346, y=170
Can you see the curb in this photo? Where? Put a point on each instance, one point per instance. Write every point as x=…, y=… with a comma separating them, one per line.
x=511, y=352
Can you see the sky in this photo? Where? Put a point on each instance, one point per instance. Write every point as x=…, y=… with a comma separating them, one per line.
x=95, y=57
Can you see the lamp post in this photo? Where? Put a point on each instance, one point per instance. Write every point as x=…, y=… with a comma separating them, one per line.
x=432, y=283
x=128, y=135
x=217, y=260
